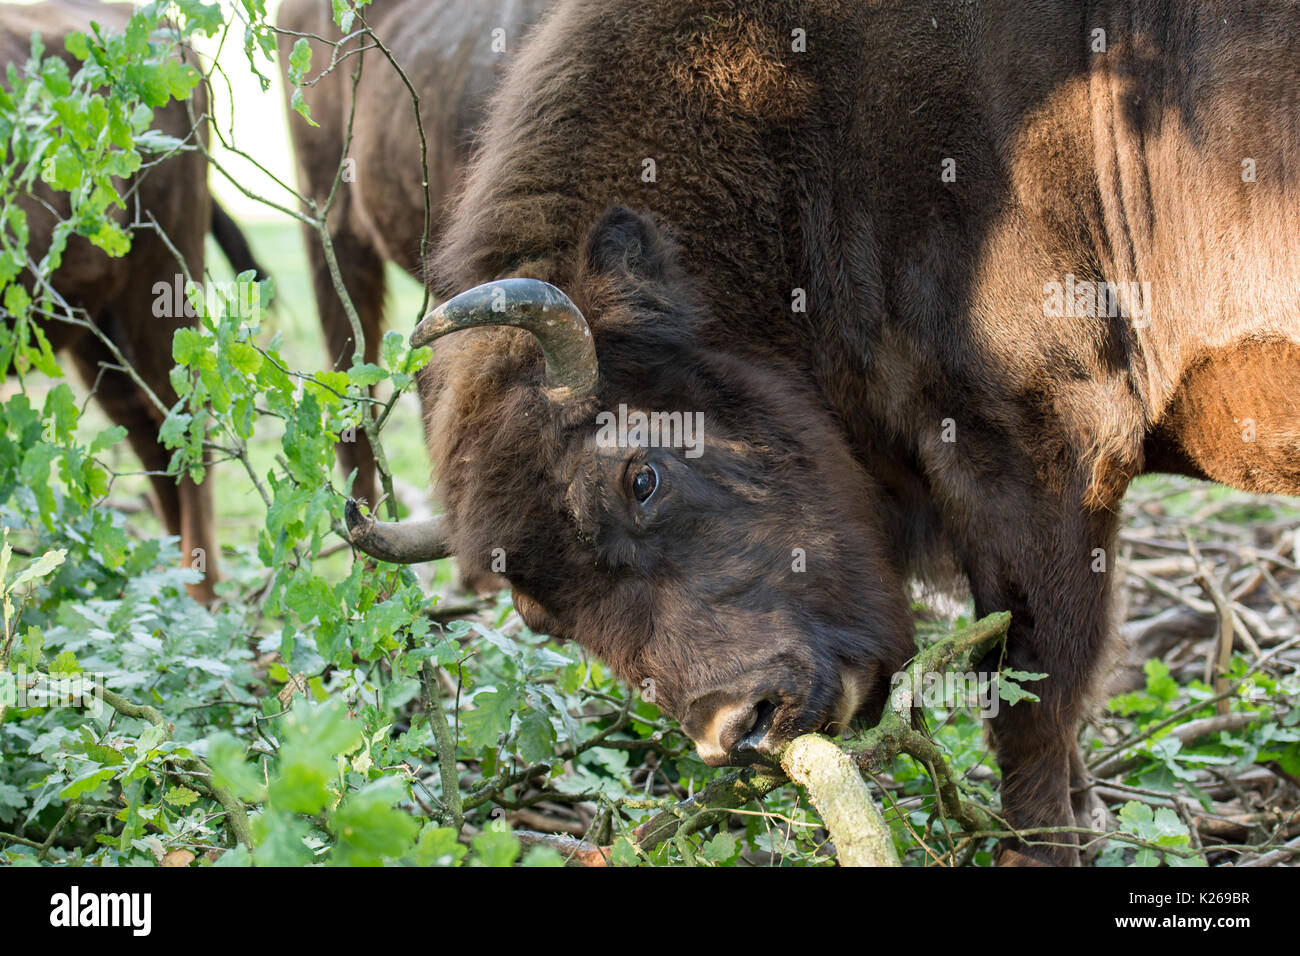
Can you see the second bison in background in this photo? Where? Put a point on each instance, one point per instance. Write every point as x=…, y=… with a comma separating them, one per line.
x=121, y=296
x=453, y=53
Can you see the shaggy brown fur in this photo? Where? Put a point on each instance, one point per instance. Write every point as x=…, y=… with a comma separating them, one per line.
x=118, y=294
x=928, y=402
x=445, y=47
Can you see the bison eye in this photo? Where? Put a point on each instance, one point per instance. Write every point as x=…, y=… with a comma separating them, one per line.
x=644, y=483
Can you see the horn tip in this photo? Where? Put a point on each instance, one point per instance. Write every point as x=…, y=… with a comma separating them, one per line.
x=429, y=328
x=357, y=522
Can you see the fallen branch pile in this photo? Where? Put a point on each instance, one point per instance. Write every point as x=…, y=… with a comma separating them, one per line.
x=1207, y=572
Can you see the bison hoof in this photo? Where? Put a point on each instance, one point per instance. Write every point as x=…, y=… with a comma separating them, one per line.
x=1021, y=855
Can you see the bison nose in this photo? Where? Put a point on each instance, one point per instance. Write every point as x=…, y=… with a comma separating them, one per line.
x=732, y=732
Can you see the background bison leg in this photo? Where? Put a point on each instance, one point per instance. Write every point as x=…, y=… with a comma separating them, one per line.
x=1055, y=582
x=198, y=539
x=185, y=508
x=180, y=207
x=362, y=270
x=318, y=152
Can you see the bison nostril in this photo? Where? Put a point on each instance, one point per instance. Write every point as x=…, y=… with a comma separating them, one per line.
x=730, y=730
x=764, y=713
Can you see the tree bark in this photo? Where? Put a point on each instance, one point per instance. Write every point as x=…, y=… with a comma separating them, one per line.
x=836, y=788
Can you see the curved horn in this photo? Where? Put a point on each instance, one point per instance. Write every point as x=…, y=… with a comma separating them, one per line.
x=400, y=542
x=533, y=305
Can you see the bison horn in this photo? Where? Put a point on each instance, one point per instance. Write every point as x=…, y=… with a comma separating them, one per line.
x=400, y=542
x=533, y=305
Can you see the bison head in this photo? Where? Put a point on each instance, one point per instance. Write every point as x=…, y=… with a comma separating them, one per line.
x=736, y=571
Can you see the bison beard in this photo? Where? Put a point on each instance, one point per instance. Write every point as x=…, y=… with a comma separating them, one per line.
x=924, y=410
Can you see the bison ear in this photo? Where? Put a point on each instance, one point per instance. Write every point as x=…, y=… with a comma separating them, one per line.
x=629, y=243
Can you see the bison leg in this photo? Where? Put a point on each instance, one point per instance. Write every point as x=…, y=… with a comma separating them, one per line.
x=362, y=271
x=317, y=153
x=1055, y=582
x=184, y=507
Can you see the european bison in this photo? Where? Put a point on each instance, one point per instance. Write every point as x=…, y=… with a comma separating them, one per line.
x=120, y=295
x=941, y=279
x=452, y=52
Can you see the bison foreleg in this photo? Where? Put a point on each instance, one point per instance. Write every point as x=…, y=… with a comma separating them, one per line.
x=1055, y=580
